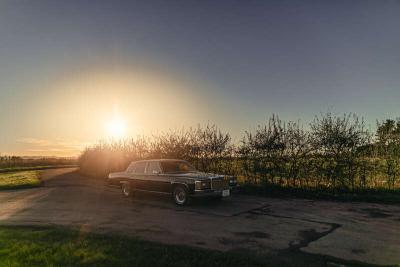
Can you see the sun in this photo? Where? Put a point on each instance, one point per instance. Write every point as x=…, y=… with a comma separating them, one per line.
x=116, y=128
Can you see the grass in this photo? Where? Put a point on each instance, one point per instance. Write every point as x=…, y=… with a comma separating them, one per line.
x=44, y=246
x=22, y=179
x=30, y=168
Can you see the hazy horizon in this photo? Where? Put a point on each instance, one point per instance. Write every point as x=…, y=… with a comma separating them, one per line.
x=72, y=73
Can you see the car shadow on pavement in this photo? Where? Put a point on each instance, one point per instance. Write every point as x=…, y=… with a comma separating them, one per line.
x=229, y=206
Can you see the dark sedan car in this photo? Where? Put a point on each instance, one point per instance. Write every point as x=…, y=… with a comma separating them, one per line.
x=168, y=176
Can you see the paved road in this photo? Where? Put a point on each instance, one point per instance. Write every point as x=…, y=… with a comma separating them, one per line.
x=361, y=232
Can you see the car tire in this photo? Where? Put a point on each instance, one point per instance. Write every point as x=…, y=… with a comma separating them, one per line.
x=180, y=195
x=126, y=189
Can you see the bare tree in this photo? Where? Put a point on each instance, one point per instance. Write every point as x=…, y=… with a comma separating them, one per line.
x=338, y=139
x=388, y=146
x=263, y=151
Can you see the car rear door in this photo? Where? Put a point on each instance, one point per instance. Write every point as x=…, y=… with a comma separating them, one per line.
x=156, y=180
x=138, y=175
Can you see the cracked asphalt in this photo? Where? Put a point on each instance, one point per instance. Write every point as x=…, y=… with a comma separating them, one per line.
x=353, y=232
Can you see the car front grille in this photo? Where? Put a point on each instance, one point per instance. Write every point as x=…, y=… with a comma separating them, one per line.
x=218, y=184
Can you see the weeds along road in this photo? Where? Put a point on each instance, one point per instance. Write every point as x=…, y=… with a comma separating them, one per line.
x=368, y=233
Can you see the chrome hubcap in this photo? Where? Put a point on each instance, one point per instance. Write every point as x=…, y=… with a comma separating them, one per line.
x=125, y=190
x=180, y=196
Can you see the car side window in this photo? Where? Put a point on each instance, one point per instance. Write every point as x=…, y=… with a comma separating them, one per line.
x=153, y=168
x=131, y=168
x=140, y=167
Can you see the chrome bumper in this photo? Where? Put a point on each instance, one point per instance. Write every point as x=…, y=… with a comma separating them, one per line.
x=207, y=193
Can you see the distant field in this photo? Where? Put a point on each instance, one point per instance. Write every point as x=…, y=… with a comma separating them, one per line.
x=21, y=179
x=37, y=246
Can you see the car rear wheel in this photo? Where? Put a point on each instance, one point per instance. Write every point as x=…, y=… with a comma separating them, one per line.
x=180, y=195
x=126, y=189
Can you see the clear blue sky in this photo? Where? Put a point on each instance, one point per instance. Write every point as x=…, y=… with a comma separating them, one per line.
x=232, y=63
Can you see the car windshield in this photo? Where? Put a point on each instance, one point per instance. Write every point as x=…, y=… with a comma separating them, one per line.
x=176, y=166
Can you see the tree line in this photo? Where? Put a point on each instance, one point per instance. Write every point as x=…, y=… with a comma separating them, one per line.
x=332, y=152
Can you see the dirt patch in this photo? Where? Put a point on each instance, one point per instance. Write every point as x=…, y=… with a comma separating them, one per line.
x=153, y=230
x=308, y=236
x=376, y=213
x=246, y=243
x=227, y=241
x=264, y=210
x=358, y=251
x=254, y=234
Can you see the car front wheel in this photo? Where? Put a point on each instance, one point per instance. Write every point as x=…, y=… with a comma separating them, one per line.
x=180, y=195
x=126, y=189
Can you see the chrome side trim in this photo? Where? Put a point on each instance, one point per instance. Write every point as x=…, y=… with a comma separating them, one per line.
x=149, y=191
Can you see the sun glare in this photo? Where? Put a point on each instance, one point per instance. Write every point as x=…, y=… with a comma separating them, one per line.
x=116, y=128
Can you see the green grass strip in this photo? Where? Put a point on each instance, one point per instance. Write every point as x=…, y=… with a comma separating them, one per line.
x=58, y=246
x=22, y=179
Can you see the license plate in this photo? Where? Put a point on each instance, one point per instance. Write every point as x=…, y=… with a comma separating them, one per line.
x=225, y=193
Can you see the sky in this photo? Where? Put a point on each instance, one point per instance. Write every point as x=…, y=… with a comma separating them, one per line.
x=69, y=69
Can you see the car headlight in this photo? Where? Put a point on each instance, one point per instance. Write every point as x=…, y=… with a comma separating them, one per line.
x=203, y=184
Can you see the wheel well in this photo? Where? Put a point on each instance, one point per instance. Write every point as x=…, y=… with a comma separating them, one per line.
x=174, y=185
